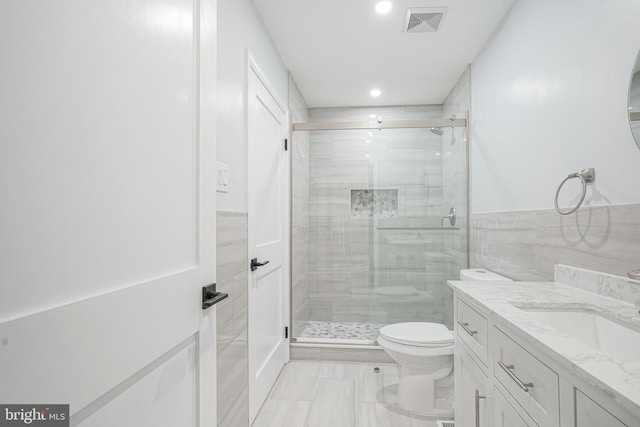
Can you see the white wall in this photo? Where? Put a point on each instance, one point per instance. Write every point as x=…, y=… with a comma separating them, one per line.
x=239, y=28
x=549, y=97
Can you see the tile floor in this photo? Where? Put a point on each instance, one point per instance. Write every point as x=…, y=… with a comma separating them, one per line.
x=334, y=394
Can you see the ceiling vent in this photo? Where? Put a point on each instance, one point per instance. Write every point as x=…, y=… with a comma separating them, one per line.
x=424, y=19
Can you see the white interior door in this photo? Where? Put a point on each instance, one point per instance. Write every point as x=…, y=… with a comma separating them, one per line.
x=268, y=238
x=107, y=225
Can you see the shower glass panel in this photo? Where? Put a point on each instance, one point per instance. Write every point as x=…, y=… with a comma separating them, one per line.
x=368, y=245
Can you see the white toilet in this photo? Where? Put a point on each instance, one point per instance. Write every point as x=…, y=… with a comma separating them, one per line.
x=424, y=352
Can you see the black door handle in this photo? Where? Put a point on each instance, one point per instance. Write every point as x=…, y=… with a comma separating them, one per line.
x=255, y=264
x=210, y=296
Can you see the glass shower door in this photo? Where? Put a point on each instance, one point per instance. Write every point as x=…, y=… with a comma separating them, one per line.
x=368, y=245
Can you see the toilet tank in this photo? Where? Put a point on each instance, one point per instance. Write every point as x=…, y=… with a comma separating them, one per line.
x=476, y=274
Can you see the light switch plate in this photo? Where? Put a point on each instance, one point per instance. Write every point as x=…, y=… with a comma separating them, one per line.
x=222, y=177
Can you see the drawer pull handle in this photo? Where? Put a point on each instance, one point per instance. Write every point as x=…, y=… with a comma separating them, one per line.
x=465, y=326
x=509, y=370
x=477, y=406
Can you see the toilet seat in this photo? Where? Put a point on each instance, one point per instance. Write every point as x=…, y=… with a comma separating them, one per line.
x=418, y=334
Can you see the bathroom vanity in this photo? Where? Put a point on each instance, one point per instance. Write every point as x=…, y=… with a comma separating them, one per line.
x=546, y=354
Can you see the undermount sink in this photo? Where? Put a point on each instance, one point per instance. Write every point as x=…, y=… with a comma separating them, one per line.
x=619, y=342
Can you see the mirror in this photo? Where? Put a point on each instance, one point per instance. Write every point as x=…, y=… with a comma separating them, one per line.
x=634, y=101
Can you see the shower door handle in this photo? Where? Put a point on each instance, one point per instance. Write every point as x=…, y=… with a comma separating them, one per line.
x=451, y=217
x=255, y=264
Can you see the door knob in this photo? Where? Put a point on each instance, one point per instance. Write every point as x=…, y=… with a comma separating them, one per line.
x=255, y=264
x=210, y=296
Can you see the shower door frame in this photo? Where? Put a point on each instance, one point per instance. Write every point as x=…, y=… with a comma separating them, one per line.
x=377, y=124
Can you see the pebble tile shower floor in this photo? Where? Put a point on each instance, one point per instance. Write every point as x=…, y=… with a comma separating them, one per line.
x=341, y=330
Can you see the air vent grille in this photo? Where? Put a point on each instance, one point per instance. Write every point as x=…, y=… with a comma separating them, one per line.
x=421, y=20
x=445, y=423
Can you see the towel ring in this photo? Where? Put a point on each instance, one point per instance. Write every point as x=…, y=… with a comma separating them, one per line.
x=585, y=176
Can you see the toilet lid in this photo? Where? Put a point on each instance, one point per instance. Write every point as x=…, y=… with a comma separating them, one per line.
x=418, y=334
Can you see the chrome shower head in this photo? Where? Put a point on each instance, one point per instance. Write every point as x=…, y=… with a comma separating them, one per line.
x=437, y=130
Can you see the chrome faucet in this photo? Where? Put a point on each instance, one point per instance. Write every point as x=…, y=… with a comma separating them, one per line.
x=635, y=274
x=451, y=217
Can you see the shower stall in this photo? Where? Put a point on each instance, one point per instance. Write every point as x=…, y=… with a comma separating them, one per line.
x=374, y=235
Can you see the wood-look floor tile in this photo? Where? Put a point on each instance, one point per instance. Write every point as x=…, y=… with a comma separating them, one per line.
x=377, y=415
x=297, y=381
x=337, y=394
x=339, y=370
x=334, y=404
x=282, y=413
x=370, y=384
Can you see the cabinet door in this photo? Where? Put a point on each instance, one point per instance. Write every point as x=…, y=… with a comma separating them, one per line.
x=590, y=414
x=505, y=416
x=469, y=378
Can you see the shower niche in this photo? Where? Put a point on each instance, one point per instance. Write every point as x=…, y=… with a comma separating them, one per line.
x=374, y=203
x=368, y=248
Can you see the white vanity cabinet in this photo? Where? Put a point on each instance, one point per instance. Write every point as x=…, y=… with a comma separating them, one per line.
x=590, y=414
x=517, y=384
x=505, y=414
x=472, y=390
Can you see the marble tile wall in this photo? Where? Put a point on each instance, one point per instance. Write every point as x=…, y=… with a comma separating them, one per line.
x=300, y=221
x=232, y=272
x=526, y=245
x=353, y=264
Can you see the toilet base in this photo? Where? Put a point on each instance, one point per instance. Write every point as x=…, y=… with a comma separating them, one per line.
x=418, y=394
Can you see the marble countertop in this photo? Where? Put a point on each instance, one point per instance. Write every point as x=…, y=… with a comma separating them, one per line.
x=619, y=380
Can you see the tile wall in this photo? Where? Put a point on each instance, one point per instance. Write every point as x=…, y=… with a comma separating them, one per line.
x=525, y=245
x=359, y=272
x=232, y=272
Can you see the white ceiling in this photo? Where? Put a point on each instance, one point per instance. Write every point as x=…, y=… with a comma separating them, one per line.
x=338, y=50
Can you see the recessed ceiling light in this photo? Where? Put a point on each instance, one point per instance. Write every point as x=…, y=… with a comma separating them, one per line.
x=383, y=6
x=375, y=93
